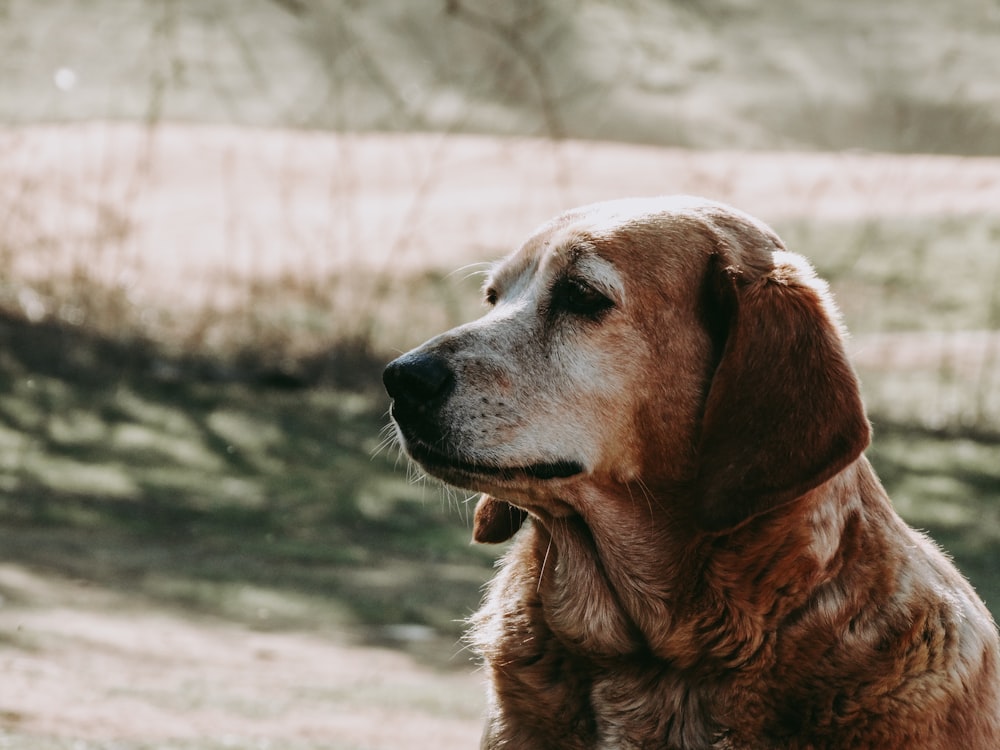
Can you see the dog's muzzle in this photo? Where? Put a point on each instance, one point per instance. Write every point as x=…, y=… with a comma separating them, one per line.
x=420, y=384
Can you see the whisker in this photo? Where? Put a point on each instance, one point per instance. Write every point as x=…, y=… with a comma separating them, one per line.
x=388, y=438
x=464, y=507
x=647, y=495
x=414, y=474
x=474, y=269
x=541, y=570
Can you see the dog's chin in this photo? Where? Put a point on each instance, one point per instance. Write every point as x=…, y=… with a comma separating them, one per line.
x=463, y=471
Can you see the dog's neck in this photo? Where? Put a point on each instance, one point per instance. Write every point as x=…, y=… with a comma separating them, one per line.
x=612, y=587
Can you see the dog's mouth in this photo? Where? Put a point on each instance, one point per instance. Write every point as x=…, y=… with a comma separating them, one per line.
x=450, y=467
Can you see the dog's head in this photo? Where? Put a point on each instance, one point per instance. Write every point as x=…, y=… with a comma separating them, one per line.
x=669, y=342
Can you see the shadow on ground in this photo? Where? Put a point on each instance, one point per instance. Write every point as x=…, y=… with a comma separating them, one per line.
x=231, y=489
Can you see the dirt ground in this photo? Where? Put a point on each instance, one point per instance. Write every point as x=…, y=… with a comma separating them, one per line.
x=85, y=668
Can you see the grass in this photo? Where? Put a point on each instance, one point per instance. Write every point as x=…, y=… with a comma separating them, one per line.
x=921, y=297
x=270, y=505
x=947, y=486
x=907, y=274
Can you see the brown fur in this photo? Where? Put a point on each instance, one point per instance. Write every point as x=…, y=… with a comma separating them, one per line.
x=710, y=560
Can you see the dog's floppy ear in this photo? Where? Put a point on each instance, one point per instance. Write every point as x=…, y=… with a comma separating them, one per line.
x=783, y=412
x=496, y=521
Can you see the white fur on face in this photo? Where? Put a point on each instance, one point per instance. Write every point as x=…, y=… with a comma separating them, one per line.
x=529, y=376
x=539, y=380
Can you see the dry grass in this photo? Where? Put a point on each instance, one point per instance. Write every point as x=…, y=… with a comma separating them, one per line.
x=303, y=254
x=183, y=225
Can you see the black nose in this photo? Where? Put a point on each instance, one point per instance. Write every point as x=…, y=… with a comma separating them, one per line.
x=418, y=379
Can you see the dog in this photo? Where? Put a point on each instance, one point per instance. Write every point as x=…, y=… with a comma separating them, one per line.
x=659, y=394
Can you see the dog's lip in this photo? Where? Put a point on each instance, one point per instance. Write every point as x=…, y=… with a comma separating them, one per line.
x=437, y=461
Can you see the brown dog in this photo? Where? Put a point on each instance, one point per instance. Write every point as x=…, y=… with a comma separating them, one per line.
x=711, y=561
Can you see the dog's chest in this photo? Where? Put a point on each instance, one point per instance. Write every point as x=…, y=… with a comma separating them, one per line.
x=646, y=708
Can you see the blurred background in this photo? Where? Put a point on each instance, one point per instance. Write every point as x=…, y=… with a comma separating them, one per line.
x=222, y=217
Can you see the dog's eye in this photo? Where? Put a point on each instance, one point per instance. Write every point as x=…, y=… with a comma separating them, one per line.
x=579, y=298
x=491, y=296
